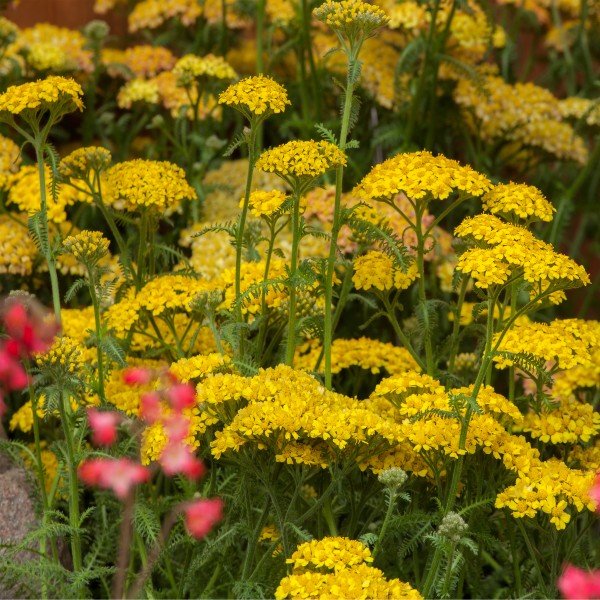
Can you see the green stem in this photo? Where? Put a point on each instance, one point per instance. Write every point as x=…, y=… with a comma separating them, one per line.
x=241, y=227
x=335, y=230
x=432, y=575
x=386, y=522
x=456, y=325
x=98, y=324
x=40, y=140
x=291, y=338
x=253, y=541
x=141, y=258
x=73, y=484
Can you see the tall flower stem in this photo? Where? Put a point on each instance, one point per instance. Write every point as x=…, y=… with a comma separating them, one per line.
x=39, y=142
x=335, y=230
x=291, y=338
x=239, y=238
x=73, y=484
x=98, y=324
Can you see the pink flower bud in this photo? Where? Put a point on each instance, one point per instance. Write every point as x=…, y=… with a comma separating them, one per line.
x=201, y=516
x=137, y=376
x=179, y=458
x=181, y=396
x=177, y=427
x=104, y=426
x=119, y=475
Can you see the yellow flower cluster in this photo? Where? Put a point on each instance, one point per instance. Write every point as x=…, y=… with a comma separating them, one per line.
x=80, y=162
x=212, y=253
x=363, y=352
x=548, y=487
x=564, y=341
x=252, y=275
x=301, y=159
x=567, y=383
x=22, y=419
x=198, y=366
x=570, y=423
x=506, y=248
x=351, y=17
x=138, y=90
x=65, y=354
x=10, y=160
x=581, y=108
x=282, y=405
x=57, y=93
x=153, y=184
x=161, y=294
x=523, y=113
x=87, y=246
x=47, y=46
x=376, y=269
x=192, y=67
x=77, y=323
x=150, y=14
x=24, y=192
x=336, y=567
x=17, y=250
x=332, y=553
x=145, y=60
x=518, y=200
x=420, y=175
x=257, y=95
x=263, y=203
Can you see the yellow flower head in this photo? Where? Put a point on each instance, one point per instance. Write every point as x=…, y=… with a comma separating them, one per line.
x=351, y=18
x=138, y=90
x=147, y=61
x=300, y=159
x=150, y=14
x=88, y=247
x=8, y=32
x=420, y=175
x=80, y=162
x=264, y=204
x=17, y=249
x=376, y=269
x=61, y=95
x=519, y=201
x=257, y=95
x=192, y=67
x=136, y=184
x=10, y=159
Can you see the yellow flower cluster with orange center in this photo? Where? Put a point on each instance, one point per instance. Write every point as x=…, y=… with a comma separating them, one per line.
x=420, y=175
x=145, y=60
x=301, y=159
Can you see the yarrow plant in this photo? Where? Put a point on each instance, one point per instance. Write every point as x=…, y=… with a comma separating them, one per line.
x=323, y=278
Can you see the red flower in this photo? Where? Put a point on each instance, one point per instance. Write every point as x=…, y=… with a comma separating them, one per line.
x=150, y=409
x=12, y=375
x=577, y=584
x=201, y=516
x=595, y=492
x=119, y=474
x=104, y=426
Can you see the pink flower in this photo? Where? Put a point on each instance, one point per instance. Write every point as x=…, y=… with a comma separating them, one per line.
x=595, y=492
x=12, y=375
x=117, y=474
x=150, y=409
x=137, y=376
x=177, y=427
x=104, y=426
x=181, y=395
x=201, y=516
x=179, y=458
x=31, y=330
x=577, y=584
